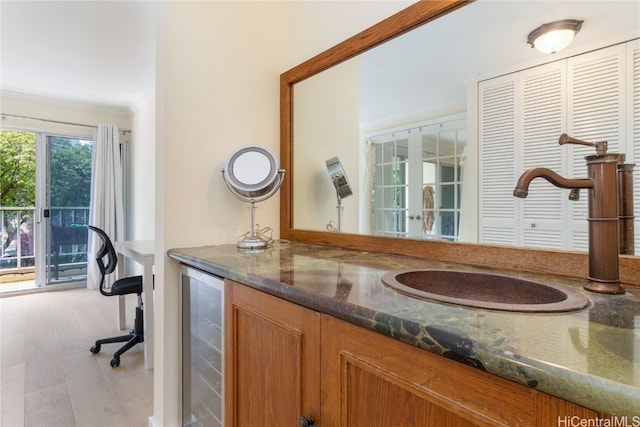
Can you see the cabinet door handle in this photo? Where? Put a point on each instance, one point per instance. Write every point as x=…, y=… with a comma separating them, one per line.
x=306, y=421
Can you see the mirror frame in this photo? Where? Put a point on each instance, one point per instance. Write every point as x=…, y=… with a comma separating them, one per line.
x=561, y=263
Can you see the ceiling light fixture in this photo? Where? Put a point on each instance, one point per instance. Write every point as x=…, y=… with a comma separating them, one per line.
x=554, y=36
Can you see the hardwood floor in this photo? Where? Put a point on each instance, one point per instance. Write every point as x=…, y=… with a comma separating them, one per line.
x=49, y=378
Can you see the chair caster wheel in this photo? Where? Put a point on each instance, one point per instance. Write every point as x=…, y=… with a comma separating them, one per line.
x=115, y=362
x=95, y=349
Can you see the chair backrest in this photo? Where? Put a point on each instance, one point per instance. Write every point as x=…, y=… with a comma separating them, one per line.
x=107, y=251
x=68, y=235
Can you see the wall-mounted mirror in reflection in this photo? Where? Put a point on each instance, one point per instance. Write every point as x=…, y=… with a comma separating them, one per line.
x=434, y=127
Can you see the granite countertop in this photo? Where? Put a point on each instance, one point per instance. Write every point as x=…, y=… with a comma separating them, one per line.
x=590, y=357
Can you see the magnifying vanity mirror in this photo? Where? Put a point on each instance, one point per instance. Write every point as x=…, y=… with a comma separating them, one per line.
x=251, y=174
x=343, y=189
x=407, y=107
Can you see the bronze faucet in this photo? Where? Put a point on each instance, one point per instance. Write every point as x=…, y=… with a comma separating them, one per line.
x=625, y=207
x=603, y=219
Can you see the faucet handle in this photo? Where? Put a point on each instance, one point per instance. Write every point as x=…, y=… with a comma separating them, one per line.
x=574, y=194
x=601, y=146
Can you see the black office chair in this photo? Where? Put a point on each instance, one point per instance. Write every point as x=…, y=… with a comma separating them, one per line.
x=124, y=286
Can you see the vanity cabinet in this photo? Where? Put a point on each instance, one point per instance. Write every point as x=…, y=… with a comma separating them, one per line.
x=285, y=361
x=272, y=359
x=372, y=380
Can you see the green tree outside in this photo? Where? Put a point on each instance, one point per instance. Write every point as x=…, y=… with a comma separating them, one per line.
x=17, y=186
x=70, y=172
x=17, y=168
x=69, y=179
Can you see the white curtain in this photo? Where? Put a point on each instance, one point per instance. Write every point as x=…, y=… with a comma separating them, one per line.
x=106, y=209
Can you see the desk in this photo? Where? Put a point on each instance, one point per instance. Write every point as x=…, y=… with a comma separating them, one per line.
x=140, y=251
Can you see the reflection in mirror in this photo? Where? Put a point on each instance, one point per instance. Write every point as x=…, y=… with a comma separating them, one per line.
x=343, y=189
x=327, y=121
x=418, y=180
x=434, y=126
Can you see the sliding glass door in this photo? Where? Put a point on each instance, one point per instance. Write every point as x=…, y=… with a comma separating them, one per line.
x=44, y=209
x=65, y=214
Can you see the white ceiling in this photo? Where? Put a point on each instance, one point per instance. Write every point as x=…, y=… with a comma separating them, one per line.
x=433, y=65
x=103, y=52
x=94, y=52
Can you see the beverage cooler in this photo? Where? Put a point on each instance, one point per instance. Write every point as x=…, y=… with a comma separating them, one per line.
x=202, y=348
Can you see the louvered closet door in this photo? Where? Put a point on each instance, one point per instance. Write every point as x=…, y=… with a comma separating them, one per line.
x=542, y=95
x=633, y=127
x=498, y=160
x=593, y=97
x=596, y=86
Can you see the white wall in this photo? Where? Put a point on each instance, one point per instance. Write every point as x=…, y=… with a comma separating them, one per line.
x=141, y=217
x=315, y=26
x=307, y=36
x=218, y=89
x=64, y=111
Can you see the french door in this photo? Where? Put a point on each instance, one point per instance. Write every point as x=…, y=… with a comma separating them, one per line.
x=417, y=180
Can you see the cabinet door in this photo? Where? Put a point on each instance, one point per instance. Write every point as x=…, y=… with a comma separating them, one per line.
x=372, y=380
x=375, y=381
x=272, y=360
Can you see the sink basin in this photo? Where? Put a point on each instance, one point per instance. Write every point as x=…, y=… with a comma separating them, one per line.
x=485, y=290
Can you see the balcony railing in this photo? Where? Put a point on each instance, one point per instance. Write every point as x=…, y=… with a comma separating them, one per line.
x=16, y=237
x=17, y=243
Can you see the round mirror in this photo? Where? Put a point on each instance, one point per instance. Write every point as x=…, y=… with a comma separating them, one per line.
x=252, y=171
x=251, y=174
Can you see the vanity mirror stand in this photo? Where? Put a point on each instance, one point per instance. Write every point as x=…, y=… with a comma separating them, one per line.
x=252, y=175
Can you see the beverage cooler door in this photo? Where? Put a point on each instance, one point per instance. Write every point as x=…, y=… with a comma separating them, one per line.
x=202, y=348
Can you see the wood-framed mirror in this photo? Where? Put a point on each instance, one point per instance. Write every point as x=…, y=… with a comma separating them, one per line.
x=561, y=262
